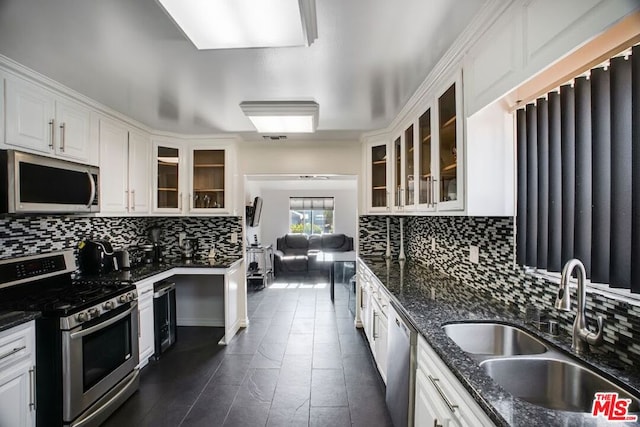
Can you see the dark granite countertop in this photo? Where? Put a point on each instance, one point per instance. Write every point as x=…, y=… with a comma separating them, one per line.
x=148, y=270
x=431, y=299
x=9, y=319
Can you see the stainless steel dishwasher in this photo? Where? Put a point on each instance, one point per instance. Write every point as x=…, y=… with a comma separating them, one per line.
x=401, y=369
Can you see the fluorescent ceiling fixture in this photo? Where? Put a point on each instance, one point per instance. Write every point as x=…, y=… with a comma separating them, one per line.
x=282, y=116
x=228, y=24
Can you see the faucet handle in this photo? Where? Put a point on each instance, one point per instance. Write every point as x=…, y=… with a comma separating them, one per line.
x=596, y=338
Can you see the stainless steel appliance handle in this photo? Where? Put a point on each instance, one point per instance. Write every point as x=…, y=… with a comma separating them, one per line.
x=164, y=290
x=103, y=325
x=52, y=136
x=32, y=389
x=444, y=397
x=92, y=183
x=62, y=135
x=14, y=351
x=89, y=418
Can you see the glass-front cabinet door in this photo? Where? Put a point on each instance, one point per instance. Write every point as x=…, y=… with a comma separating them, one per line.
x=397, y=175
x=378, y=176
x=167, y=166
x=409, y=173
x=208, y=180
x=426, y=184
x=449, y=182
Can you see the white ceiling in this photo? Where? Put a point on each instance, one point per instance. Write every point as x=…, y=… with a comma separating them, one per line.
x=369, y=58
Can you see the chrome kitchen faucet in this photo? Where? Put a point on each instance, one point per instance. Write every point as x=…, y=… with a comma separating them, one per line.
x=581, y=336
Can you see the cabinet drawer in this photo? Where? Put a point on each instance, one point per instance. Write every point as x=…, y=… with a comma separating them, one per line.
x=449, y=390
x=16, y=344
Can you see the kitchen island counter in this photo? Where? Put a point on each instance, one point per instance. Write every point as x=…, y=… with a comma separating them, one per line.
x=431, y=299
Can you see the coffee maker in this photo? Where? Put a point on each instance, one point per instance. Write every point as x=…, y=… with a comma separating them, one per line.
x=155, y=237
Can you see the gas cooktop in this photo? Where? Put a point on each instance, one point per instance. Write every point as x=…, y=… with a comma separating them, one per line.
x=44, y=283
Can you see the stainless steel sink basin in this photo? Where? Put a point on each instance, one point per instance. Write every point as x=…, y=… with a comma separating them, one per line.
x=493, y=339
x=553, y=384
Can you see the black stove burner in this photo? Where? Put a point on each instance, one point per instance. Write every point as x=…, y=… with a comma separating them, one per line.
x=63, y=296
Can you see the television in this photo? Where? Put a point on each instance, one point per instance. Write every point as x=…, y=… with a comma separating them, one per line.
x=255, y=212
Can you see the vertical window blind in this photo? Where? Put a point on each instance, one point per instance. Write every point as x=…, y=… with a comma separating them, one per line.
x=578, y=156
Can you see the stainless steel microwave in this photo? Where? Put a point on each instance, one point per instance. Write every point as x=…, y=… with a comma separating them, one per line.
x=36, y=184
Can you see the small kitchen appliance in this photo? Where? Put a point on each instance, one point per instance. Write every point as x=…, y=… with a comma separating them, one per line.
x=188, y=247
x=96, y=257
x=155, y=237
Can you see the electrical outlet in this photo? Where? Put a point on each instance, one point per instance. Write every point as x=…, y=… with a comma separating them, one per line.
x=433, y=243
x=474, y=254
x=234, y=237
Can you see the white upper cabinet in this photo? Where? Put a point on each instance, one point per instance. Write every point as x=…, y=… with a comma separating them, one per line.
x=2, y=116
x=40, y=121
x=422, y=168
x=168, y=187
x=30, y=116
x=114, y=149
x=377, y=155
x=139, y=172
x=193, y=177
x=210, y=178
x=527, y=37
x=125, y=169
x=73, y=123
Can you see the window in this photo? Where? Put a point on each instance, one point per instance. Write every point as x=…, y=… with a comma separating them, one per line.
x=579, y=175
x=311, y=215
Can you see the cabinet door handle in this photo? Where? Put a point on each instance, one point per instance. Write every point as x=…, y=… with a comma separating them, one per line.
x=11, y=352
x=146, y=292
x=444, y=397
x=434, y=187
x=180, y=201
x=62, y=135
x=388, y=201
x=133, y=200
x=126, y=194
x=139, y=328
x=435, y=423
x=32, y=388
x=52, y=133
x=375, y=335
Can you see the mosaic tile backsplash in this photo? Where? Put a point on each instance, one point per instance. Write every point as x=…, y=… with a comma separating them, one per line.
x=23, y=235
x=497, y=272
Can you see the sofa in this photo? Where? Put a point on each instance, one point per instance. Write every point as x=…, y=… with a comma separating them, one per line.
x=295, y=252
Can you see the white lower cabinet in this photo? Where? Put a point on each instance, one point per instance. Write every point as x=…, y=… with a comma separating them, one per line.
x=440, y=399
x=374, y=302
x=380, y=338
x=17, y=376
x=145, y=321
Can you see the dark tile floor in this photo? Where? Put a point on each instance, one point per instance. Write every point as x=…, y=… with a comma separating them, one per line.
x=301, y=362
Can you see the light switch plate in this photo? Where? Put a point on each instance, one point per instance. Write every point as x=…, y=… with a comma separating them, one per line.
x=474, y=254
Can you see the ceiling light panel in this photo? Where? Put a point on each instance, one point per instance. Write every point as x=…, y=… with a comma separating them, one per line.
x=228, y=24
x=282, y=116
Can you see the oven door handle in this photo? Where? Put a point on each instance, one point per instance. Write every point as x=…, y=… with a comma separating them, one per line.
x=84, y=332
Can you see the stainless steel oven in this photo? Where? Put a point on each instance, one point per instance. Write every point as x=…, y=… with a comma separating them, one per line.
x=97, y=355
x=86, y=337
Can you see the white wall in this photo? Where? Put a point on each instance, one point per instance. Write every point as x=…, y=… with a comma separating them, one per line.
x=275, y=211
x=299, y=157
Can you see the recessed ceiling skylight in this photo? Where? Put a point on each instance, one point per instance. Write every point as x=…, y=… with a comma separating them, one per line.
x=228, y=24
